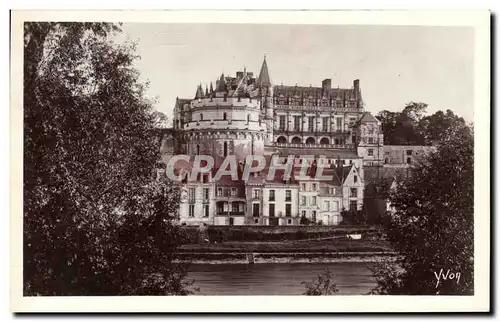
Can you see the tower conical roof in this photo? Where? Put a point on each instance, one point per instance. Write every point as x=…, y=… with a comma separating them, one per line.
x=264, y=79
x=199, y=92
x=221, y=86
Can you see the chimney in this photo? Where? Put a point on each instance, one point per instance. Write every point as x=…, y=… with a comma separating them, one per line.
x=355, y=83
x=326, y=84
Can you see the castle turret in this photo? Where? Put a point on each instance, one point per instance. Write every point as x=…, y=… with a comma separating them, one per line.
x=265, y=87
x=220, y=89
x=199, y=92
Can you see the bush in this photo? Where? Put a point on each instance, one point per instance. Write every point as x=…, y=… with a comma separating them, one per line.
x=322, y=285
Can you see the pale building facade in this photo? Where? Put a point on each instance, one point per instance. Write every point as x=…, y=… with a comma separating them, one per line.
x=248, y=115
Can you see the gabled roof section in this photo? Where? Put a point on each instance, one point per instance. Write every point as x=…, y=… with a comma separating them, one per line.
x=368, y=118
x=264, y=79
x=342, y=173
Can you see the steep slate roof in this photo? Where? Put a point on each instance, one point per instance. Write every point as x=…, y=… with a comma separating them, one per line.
x=264, y=79
x=315, y=92
x=372, y=174
x=221, y=84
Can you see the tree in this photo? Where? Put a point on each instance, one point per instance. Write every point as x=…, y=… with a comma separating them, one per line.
x=433, y=126
x=432, y=226
x=95, y=221
x=322, y=285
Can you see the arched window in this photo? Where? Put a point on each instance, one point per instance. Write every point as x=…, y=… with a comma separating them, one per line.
x=224, y=116
x=324, y=141
x=296, y=140
x=310, y=141
x=201, y=117
x=225, y=149
x=386, y=160
x=281, y=139
x=197, y=149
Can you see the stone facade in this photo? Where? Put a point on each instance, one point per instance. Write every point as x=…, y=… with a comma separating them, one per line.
x=248, y=115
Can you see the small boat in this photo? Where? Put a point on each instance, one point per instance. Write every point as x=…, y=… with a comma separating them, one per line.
x=353, y=236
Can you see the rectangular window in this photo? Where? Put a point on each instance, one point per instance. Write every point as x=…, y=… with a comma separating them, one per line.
x=288, y=210
x=327, y=206
x=234, y=192
x=256, y=193
x=219, y=192
x=191, y=210
x=370, y=152
x=271, y=195
x=234, y=207
x=339, y=124
x=288, y=196
x=205, y=178
x=206, y=211
x=314, y=215
x=192, y=192
x=335, y=206
x=332, y=191
x=354, y=193
x=313, y=187
x=355, y=179
x=304, y=201
x=313, y=201
x=304, y=213
x=271, y=210
x=282, y=122
x=296, y=123
x=325, y=124
x=311, y=124
x=353, y=205
x=370, y=140
x=303, y=187
x=205, y=194
x=408, y=152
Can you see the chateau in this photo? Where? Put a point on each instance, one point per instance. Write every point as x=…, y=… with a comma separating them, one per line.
x=249, y=115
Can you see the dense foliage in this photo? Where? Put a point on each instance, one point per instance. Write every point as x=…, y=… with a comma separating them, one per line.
x=95, y=220
x=411, y=127
x=432, y=224
x=322, y=285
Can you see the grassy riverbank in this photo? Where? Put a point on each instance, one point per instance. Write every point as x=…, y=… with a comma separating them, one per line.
x=297, y=246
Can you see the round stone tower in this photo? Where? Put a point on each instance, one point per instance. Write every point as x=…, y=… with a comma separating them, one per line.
x=227, y=120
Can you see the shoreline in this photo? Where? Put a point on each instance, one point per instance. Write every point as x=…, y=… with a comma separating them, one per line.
x=285, y=258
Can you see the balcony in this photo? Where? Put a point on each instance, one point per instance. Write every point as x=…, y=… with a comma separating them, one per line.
x=231, y=213
x=313, y=146
x=318, y=108
x=311, y=133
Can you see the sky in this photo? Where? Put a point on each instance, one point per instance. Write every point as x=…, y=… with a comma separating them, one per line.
x=395, y=64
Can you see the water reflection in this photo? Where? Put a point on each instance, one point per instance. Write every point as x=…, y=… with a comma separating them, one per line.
x=278, y=279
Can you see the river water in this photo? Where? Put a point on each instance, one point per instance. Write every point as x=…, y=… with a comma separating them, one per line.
x=278, y=279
